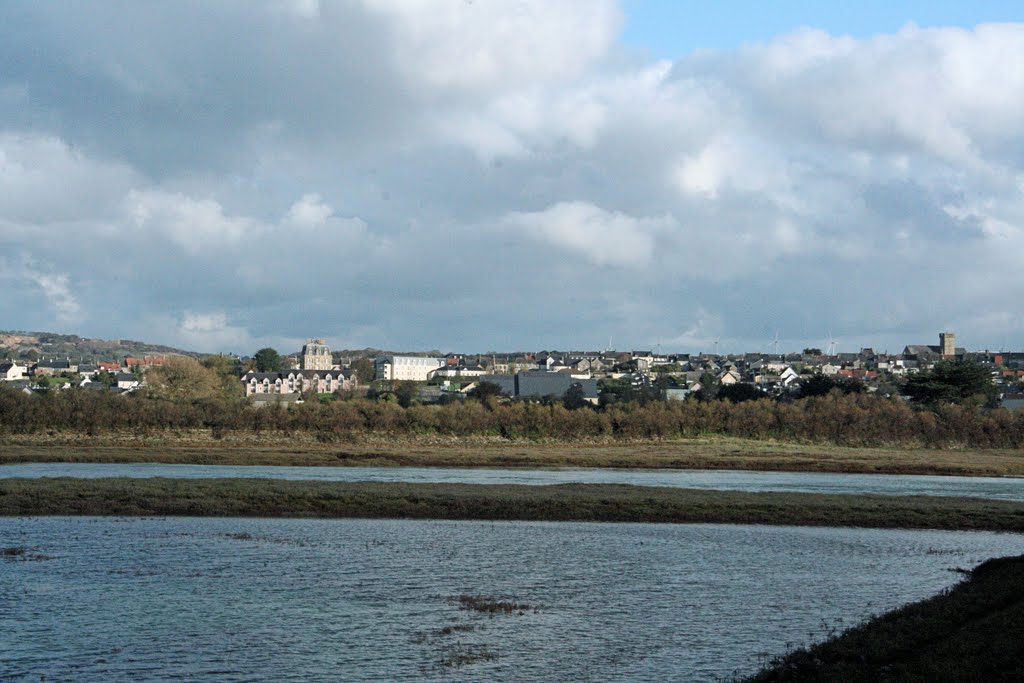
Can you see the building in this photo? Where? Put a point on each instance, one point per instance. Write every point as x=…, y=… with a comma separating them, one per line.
x=316, y=355
x=298, y=382
x=540, y=384
x=407, y=368
x=946, y=350
x=144, y=363
x=947, y=344
x=127, y=381
x=54, y=367
x=11, y=371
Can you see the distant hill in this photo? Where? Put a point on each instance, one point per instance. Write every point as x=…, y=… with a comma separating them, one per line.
x=34, y=345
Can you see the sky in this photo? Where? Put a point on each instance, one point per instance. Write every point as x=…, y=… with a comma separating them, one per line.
x=472, y=175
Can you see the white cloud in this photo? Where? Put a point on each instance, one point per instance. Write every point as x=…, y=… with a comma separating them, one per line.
x=44, y=179
x=947, y=92
x=193, y=224
x=605, y=238
x=54, y=286
x=310, y=210
x=475, y=45
x=210, y=331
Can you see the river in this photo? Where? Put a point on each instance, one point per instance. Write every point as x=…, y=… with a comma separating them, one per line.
x=995, y=488
x=368, y=600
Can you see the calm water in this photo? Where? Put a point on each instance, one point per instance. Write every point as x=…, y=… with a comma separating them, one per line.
x=886, y=484
x=257, y=599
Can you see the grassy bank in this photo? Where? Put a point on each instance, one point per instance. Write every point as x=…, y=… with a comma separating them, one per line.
x=695, y=453
x=573, y=502
x=970, y=633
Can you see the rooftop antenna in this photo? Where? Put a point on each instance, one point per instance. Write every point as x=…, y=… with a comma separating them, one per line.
x=831, y=344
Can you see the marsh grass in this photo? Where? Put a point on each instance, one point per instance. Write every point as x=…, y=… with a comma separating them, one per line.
x=970, y=632
x=463, y=654
x=492, y=606
x=16, y=553
x=563, y=502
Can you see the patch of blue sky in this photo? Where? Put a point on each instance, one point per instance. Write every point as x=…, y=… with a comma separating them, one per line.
x=669, y=29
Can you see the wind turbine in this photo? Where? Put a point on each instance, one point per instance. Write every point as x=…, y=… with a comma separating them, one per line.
x=831, y=344
x=775, y=343
x=717, y=339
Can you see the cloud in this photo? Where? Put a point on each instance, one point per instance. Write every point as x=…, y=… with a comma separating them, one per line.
x=211, y=331
x=309, y=211
x=193, y=224
x=605, y=238
x=420, y=174
x=55, y=287
x=459, y=45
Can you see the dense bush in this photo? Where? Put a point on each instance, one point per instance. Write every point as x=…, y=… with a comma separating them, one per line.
x=847, y=420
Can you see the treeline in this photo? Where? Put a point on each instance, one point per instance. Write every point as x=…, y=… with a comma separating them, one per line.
x=847, y=420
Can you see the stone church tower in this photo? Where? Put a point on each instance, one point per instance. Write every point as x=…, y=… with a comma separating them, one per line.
x=947, y=344
x=316, y=355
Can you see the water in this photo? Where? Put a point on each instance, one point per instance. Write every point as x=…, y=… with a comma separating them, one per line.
x=271, y=599
x=996, y=488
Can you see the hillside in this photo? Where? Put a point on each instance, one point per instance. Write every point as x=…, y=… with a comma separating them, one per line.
x=34, y=345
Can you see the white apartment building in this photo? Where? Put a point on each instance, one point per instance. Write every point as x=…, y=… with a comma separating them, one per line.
x=414, y=368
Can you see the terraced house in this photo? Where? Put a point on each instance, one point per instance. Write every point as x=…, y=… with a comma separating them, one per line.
x=298, y=382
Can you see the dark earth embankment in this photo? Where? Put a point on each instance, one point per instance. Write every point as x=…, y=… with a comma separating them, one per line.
x=973, y=632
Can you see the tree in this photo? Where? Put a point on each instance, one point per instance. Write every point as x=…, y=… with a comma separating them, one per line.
x=485, y=390
x=228, y=371
x=267, y=360
x=709, y=387
x=405, y=392
x=182, y=379
x=107, y=379
x=812, y=351
x=822, y=385
x=574, y=397
x=952, y=382
x=738, y=393
x=364, y=369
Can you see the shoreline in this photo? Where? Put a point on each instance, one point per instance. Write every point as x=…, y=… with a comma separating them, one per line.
x=709, y=453
x=970, y=632
x=561, y=502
